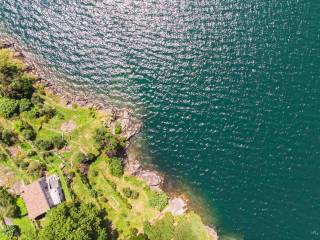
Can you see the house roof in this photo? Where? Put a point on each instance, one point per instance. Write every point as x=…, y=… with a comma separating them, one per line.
x=35, y=200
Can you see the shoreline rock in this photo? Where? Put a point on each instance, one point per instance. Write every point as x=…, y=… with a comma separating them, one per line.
x=130, y=127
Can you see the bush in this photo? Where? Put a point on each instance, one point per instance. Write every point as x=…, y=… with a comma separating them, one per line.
x=8, y=207
x=10, y=231
x=31, y=153
x=36, y=169
x=130, y=193
x=47, y=111
x=9, y=137
x=20, y=88
x=105, y=140
x=45, y=145
x=115, y=166
x=22, y=207
x=59, y=142
x=117, y=128
x=37, y=99
x=3, y=157
x=158, y=200
x=29, y=134
x=34, y=112
x=8, y=107
x=25, y=105
x=81, y=157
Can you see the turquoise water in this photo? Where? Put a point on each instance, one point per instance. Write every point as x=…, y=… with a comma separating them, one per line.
x=229, y=92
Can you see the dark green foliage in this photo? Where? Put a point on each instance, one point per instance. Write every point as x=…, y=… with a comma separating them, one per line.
x=29, y=134
x=116, y=167
x=36, y=99
x=59, y=142
x=36, y=169
x=105, y=140
x=25, y=105
x=70, y=221
x=31, y=153
x=19, y=88
x=10, y=231
x=8, y=107
x=45, y=145
x=163, y=229
x=130, y=193
x=14, y=82
x=26, y=129
x=81, y=157
x=91, y=157
x=139, y=237
x=8, y=137
x=34, y=112
x=47, y=111
x=158, y=200
x=3, y=157
x=8, y=207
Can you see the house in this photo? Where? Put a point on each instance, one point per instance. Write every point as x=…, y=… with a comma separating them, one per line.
x=42, y=195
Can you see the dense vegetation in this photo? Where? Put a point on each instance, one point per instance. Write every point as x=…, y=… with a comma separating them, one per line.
x=71, y=221
x=40, y=134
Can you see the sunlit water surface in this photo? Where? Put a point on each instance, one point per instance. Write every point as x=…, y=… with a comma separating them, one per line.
x=229, y=92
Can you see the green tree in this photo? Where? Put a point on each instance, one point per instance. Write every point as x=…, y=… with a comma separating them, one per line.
x=70, y=221
x=8, y=207
x=44, y=144
x=8, y=107
x=25, y=105
x=8, y=137
x=116, y=167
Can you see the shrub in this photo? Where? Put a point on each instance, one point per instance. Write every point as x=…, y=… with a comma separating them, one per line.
x=29, y=134
x=36, y=169
x=130, y=193
x=8, y=107
x=117, y=128
x=31, y=153
x=47, y=111
x=81, y=157
x=10, y=231
x=9, y=137
x=158, y=200
x=115, y=166
x=8, y=207
x=25, y=105
x=59, y=142
x=22, y=207
x=46, y=145
x=105, y=140
x=91, y=157
x=37, y=99
x=34, y=112
x=19, y=88
x=3, y=157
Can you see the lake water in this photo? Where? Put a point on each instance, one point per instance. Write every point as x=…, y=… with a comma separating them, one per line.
x=229, y=92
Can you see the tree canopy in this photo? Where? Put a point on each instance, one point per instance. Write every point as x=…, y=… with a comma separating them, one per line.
x=70, y=221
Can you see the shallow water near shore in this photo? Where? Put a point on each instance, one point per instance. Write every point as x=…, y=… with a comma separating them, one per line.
x=229, y=92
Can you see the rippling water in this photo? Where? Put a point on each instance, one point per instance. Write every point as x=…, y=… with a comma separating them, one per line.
x=229, y=91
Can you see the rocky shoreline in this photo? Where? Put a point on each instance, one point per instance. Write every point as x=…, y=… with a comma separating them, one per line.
x=130, y=126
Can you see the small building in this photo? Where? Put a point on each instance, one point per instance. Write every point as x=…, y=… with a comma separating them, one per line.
x=42, y=195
